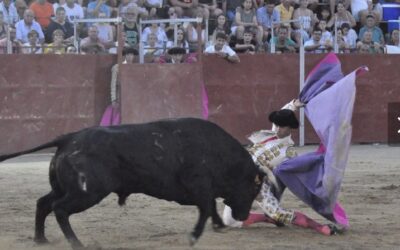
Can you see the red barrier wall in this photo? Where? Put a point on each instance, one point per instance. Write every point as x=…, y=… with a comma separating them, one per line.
x=42, y=96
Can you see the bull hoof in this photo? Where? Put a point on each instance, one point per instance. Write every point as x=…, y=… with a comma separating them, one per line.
x=192, y=240
x=41, y=240
x=219, y=228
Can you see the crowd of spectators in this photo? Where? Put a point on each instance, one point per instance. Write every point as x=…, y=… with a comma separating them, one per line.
x=249, y=26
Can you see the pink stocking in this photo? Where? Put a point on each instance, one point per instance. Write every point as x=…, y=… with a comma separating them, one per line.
x=303, y=221
x=257, y=217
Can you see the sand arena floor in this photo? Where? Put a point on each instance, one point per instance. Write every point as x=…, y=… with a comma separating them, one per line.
x=370, y=194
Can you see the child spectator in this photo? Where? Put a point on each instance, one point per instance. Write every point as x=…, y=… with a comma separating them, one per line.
x=57, y=46
x=221, y=49
x=151, y=49
x=246, y=45
x=32, y=46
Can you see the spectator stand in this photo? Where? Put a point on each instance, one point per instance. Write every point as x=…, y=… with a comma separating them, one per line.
x=175, y=23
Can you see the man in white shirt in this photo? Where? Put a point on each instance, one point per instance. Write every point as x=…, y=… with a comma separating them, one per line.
x=73, y=10
x=222, y=49
x=9, y=12
x=24, y=26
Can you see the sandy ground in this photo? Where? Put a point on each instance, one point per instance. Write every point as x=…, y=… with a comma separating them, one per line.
x=370, y=194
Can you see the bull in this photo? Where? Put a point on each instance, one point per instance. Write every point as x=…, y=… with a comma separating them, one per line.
x=189, y=161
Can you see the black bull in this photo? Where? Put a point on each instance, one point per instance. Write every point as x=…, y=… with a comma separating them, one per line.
x=189, y=161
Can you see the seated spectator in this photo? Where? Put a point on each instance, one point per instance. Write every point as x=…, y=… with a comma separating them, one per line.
x=364, y=49
x=130, y=26
x=265, y=16
x=177, y=55
x=374, y=47
x=246, y=45
x=229, y=7
x=57, y=46
x=60, y=23
x=71, y=49
x=209, y=8
x=349, y=35
x=192, y=34
x=314, y=45
x=307, y=20
x=285, y=10
x=324, y=13
x=3, y=27
x=138, y=6
x=377, y=34
x=43, y=11
x=27, y=24
x=181, y=41
x=283, y=44
x=246, y=17
x=326, y=34
x=333, y=3
x=151, y=49
x=340, y=42
x=221, y=49
x=92, y=39
x=185, y=8
x=9, y=12
x=21, y=6
x=222, y=26
x=369, y=11
x=12, y=46
x=159, y=31
x=97, y=6
x=394, y=38
x=106, y=32
x=73, y=10
x=33, y=46
x=341, y=16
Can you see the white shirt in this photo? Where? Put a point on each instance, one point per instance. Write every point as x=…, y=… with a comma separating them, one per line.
x=225, y=49
x=10, y=16
x=23, y=30
x=73, y=13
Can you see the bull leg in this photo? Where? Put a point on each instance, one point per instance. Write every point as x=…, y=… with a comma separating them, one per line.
x=70, y=204
x=216, y=219
x=43, y=209
x=205, y=210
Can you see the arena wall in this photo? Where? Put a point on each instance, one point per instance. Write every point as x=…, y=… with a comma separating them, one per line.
x=42, y=96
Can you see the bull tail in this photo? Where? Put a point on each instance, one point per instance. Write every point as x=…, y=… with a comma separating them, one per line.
x=55, y=143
